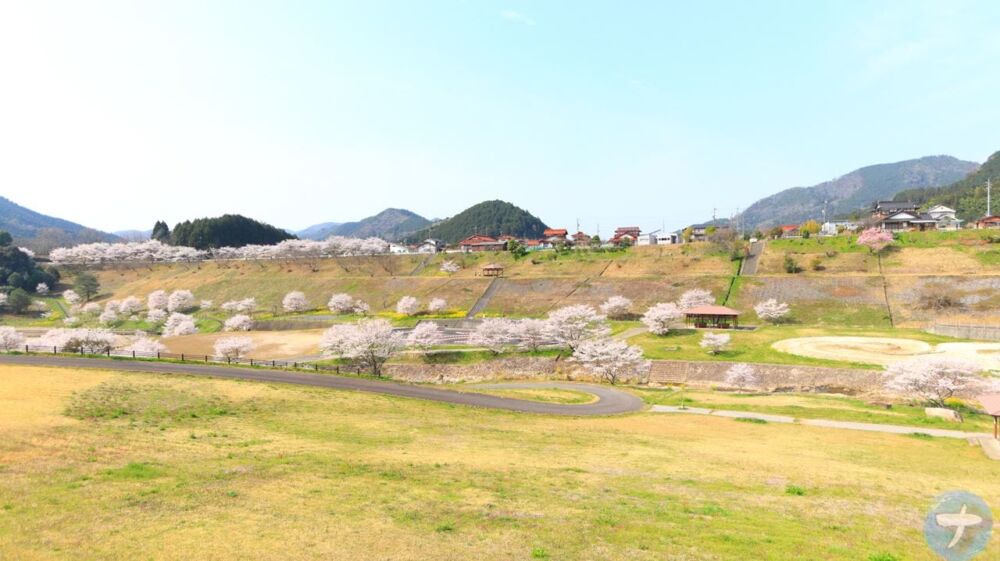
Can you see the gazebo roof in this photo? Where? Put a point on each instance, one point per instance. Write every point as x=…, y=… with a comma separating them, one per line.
x=991, y=402
x=711, y=311
x=492, y=266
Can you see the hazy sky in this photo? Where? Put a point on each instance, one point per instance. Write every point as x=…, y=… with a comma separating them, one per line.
x=118, y=114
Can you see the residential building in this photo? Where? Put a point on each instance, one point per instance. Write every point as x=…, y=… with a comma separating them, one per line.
x=397, y=249
x=581, y=239
x=988, y=223
x=430, y=245
x=833, y=228
x=555, y=235
x=626, y=234
x=481, y=243
x=790, y=231
x=884, y=209
x=945, y=216
x=907, y=220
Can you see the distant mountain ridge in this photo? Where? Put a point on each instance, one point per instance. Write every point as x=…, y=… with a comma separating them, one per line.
x=490, y=218
x=41, y=232
x=967, y=196
x=854, y=191
x=391, y=224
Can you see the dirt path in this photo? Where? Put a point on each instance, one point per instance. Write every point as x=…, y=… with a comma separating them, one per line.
x=610, y=401
x=887, y=350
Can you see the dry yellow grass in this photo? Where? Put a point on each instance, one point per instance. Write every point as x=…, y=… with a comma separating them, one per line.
x=275, y=345
x=264, y=471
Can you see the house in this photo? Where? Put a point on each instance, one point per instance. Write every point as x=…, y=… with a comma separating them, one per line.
x=555, y=235
x=699, y=232
x=945, y=217
x=790, y=230
x=884, y=209
x=833, y=228
x=625, y=235
x=430, y=245
x=668, y=238
x=397, y=249
x=647, y=238
x=581, y=239
x=988, y=223
x=478, y=242
x=905, y=220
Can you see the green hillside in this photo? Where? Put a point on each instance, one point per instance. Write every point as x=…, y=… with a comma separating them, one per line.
x=967, y=196
x=229, y=230
x=491, y=218
x=390, y=224
x=40, y=232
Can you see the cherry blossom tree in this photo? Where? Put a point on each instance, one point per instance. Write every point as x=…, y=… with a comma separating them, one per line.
x=239, y=322
x=361, y=307
x=71, y=321
x=10, y=339
x=144, y=345
x=531, y=333
x=130, y=305
x=659, y=318
x=80, y=340
x=157, y=300
x=771, y=310
x=741, y=376
x=437, y=305
x=936, y=378
x=875, y=239
x=71, y=297
x=450, y=267
x=206, y=305
x=694, y=298
x=370, y=342
x=425, y=335
x=91, y=308
x=495, y=334
x=181, y=301
x=295, y=302
x=108, y=317
x=179, y=324
x=616, y=307
x=232, y=348
x=42, y=289
x=571, y=325
x=3, y=298
x=714, y=342
x=612, y=360
x=408, y=306
x=244, y=306
x=156, y=315
x=346, y=304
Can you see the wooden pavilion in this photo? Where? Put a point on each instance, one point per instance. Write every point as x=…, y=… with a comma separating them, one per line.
x=991, y=403
x=492, y=270
x=715, y=317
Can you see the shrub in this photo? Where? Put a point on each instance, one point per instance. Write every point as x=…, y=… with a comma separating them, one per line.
x=791, y=265
x=795, y=490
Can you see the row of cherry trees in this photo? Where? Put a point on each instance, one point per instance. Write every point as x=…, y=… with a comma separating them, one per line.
x=155, y=251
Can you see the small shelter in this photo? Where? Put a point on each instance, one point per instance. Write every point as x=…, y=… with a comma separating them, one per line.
x=717, y=317
x=492, y=270
x=991, y=403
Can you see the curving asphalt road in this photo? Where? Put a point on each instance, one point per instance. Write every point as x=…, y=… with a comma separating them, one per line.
x=610, y=401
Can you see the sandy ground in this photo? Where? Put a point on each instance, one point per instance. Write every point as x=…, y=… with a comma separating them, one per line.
x=269, y=344
x=885, y=350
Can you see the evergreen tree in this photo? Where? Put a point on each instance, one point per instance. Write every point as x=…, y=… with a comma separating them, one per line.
x=86, y=285
x=161, y=232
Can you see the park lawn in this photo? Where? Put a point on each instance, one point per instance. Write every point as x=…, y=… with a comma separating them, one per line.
x=755, y=345
x=817, y=406
x=105, y=465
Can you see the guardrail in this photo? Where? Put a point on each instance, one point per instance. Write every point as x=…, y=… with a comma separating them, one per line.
x=192, y=358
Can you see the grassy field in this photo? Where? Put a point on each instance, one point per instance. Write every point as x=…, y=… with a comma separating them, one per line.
x=755, y=345
x=101, y=465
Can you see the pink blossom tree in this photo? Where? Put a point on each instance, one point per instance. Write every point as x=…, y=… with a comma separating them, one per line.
x=179, y=324
x=661, y=317
x=437, y=305
x=238, y=322
x=144, y=345
x=741, y=376
x=771, y=310
x=233, y=347
x=341, y=304
x=425, y=335
x=616, y=307
x=10, y=339
x=370, y=342
x=934, y=379
x=408, y=306
x=715, y=343
x=875, y=239
x=294, y=302
x=571, y=325
x=157, y=300
x=130, y=305
x=612, y=360
x=42, y=289
x=450, y=267
x=531, y=333
x=71, y=297
x=181, y=301
x=242, y=306
x=495, y=334
x=694, y=298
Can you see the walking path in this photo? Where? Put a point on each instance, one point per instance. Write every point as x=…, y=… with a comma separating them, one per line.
x=749, y=266
x=610, y=401
x=848, y=425
x=484, y=300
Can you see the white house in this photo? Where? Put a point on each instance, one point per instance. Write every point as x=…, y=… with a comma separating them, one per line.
x=397, y=249
x=833, y=228
x=430, y=245
x=945, y=217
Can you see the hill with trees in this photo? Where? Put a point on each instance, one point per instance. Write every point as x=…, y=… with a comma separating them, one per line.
x=854, y=191
x=18, y=269
x=40, y=232
x=967, y=196
x=490, y=218
x=228, y=230
x=390, y=224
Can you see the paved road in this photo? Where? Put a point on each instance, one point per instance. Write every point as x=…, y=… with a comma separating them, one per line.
x=610, y=401
x=753, y=259
x=847, y=425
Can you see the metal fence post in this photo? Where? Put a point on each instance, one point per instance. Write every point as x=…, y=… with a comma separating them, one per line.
x=133, y=354
x=182, y=357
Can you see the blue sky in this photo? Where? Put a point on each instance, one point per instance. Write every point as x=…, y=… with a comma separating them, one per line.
x=641, y=113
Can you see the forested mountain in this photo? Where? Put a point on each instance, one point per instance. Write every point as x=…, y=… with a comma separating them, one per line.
x=490, y=218
x=967, y=196
x=390, y=224
x=40, y=232
x=229, y=230
x=855, y=190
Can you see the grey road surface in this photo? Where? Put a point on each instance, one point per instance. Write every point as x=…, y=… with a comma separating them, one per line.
x=610, y=401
